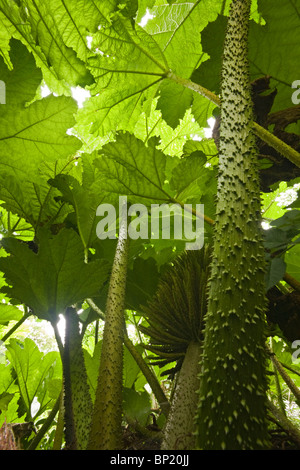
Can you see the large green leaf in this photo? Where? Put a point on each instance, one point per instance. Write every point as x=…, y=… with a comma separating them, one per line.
x=33, y=370
x=190, y=178
x=36, y=133
x=127, y=62
x=8, y=392
x=6, y=32
x=176, y=28
x=274, y=46
x=172, y=140
x=23, y=80
x=84, y=197
x=73, y=21
x=130, y=62
x=174, y=100
x=292, y=260
x=136, y=405
x=141, y=282
x=8, y=313
x=34, y=144
x=32, y=140
x=33, y=201
x=54, y=278
x=131, y=168
x=37, y=27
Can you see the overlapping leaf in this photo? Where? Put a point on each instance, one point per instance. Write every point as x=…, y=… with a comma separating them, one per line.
x=172, y=140
x=33, y=202
x=127, y=63
x=272, y=49
x=274, y=46
x=34, y=370
x=32, y=139
x=37, y=133
x=23, y=80
x=37, y=28
x=8, y=313
x=130, y=168
x=73, y=21
x=84, y=201
x=54, y=278
x=190, y=177
x=177, y=27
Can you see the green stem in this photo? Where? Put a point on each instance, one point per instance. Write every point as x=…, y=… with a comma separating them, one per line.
x=281, y=147
x=15, y=327
x=106, y=432
x=285, y=422
x=233, y=385
x=96, y=309
x=46, y=425
x=292, y=281
x=287, y=379
x=195, y=87
x=278, y=387
x=290, y=369
x=148, y=374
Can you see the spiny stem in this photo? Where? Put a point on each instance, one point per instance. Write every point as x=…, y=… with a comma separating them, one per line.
x=179, y=433
x=147, y=372
x=287, y=379
x=281, y=147
x=77, y=399
x=106, y=432
x=195, y=87
x=233, y=385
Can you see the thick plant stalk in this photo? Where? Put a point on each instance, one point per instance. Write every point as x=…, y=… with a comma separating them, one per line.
x=180, y=426
x=77, y=400
x=232, y=406
x=145, y=369
x=107, y=415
